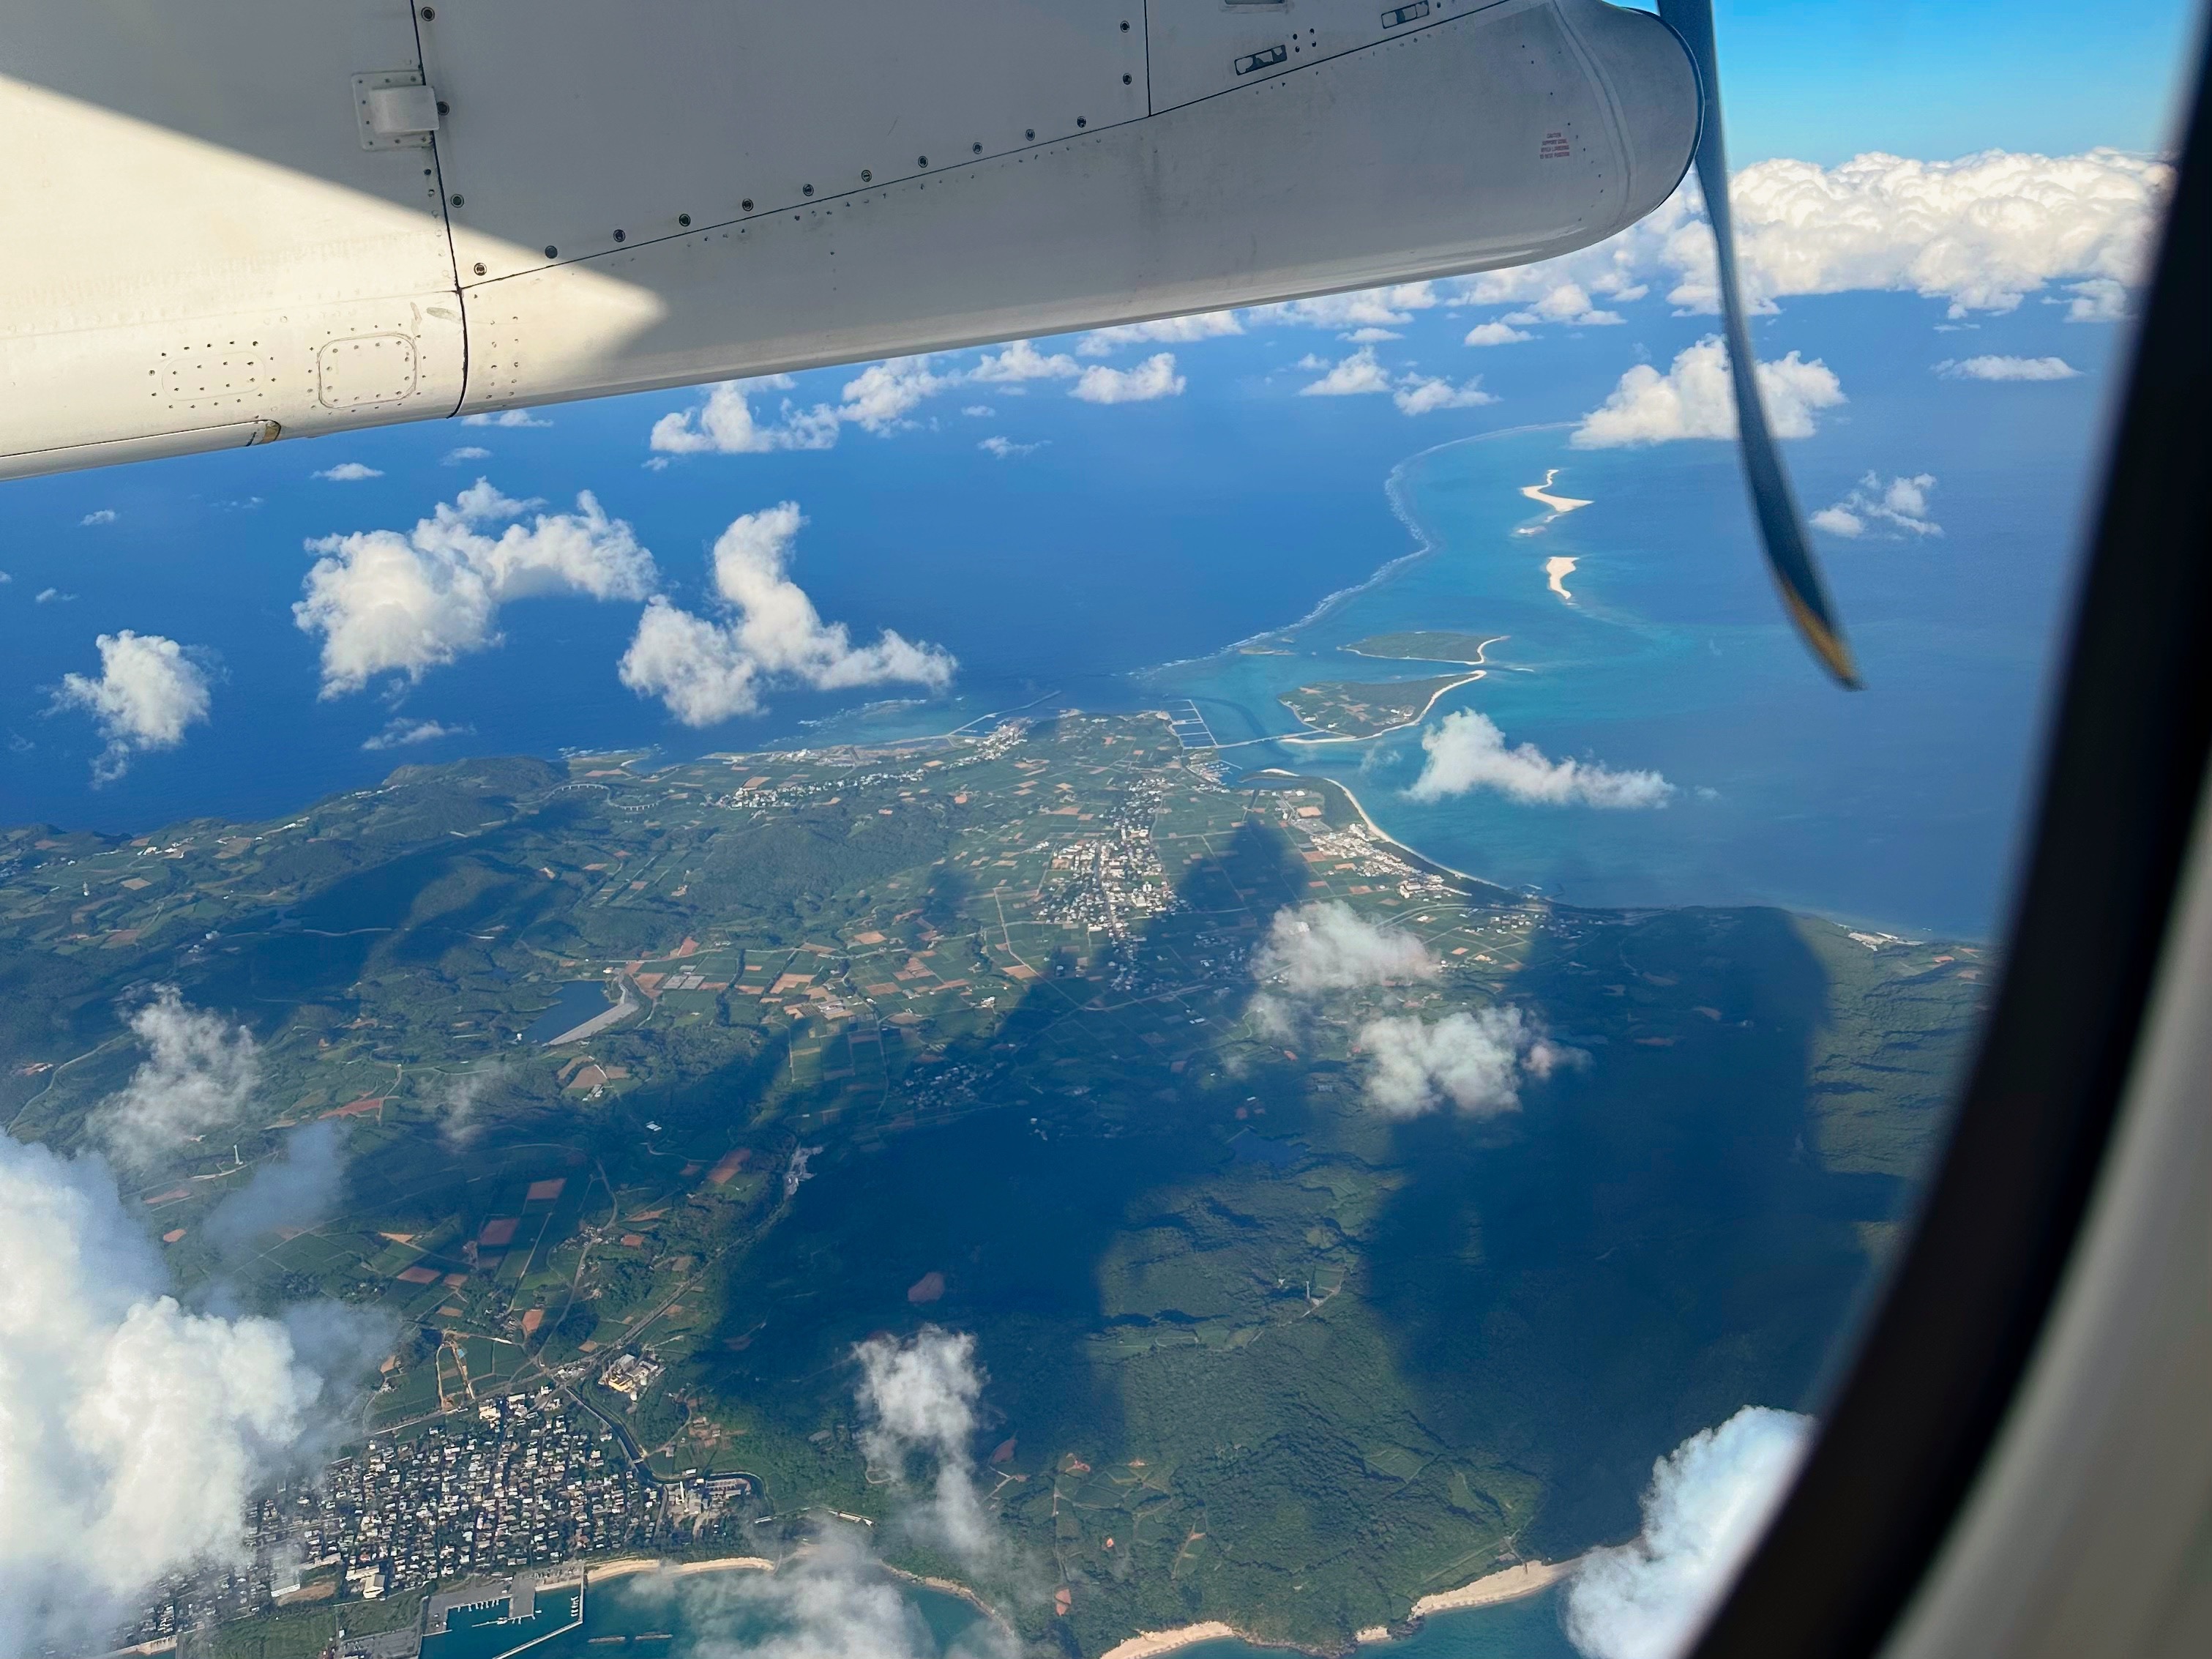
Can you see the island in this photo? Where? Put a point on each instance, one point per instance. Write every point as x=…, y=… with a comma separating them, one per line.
x=1426, y=647
x=660, y=1087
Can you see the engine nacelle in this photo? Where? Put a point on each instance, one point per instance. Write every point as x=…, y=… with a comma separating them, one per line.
x=236, y=220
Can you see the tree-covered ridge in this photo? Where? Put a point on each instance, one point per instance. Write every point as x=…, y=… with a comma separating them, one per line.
x=965, y=1033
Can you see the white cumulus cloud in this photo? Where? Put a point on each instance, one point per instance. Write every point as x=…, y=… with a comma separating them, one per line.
x=705, y=671
x=1564, y=302
x=724, y=425
x=199, y=1071
x=1374, y=307
x=1982, y=232
x=511, y=417
x=1022, y=362
x=135, y=1431
x=1327, y=946
x=1497, y=334
x=100, y=515
x=348, y=472
x=2007, y=368
x=881, y=396
x=1354, y=376
x=1466, y=751
x=1005, y=449
x=1708, y=1503
x=1900, y=505
x=386, y=602
x=148, y=694
x=1320, y=949
x=1422, y=394
x=1474, y=1060
x=1172, y=331
x=1694, y=399
x=466, y=453
x=1155, y=377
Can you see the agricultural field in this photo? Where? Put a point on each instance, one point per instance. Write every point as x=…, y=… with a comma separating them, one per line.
x=967, y=1032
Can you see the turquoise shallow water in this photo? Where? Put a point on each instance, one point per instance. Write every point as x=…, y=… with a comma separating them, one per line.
x=641, y=1618
x=1894, y=806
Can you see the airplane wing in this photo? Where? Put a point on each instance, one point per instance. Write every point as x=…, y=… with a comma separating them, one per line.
x=233, y=221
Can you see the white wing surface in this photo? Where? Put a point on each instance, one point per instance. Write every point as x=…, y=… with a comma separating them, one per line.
x=229, y=221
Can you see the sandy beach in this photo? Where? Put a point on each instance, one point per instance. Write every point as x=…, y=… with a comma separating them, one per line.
x=1542, y=492
x=1476, y=662
x=1557, y=569
x=1509, y=1584
x=1387, y=839
x=1146, y=1644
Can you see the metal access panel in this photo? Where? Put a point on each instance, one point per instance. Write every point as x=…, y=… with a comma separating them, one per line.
x=1200, y=47
x=1424, y=153
x=574, y=127
x=236, y=220
x=188, y=216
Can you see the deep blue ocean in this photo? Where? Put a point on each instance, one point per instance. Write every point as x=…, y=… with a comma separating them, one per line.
x=1166, y=533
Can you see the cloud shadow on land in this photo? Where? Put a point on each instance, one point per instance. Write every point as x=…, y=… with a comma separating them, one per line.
x=1653, y=1243
x=996, y=1218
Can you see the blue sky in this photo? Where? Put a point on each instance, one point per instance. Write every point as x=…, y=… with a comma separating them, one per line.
x=921, y=532
x=1823, y=80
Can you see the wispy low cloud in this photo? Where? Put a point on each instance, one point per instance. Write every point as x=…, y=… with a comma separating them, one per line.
x=295, y=1190
x=389, y=602
x=706, y=669
x=348, y=472
x=2007, y=368
x=101, y=516
x=136, y=1433
x=1474, y=1060
x=401, y=733
x=1152, y=378
x=510, y=418
x=466, y=453
x=917, y=1400
x=199, y=1071
x=1467, y=752
x=1899, y=507
x=1005, y=448
x=1708, y=1504
x=149, y=691
x=1694, y=399
x=832, y=1600
x=460, y=1104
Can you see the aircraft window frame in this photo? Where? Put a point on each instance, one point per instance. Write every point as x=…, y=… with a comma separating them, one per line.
x=1947, y=1350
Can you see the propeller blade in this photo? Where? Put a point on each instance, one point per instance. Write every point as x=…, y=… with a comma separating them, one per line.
x=1773, y=503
